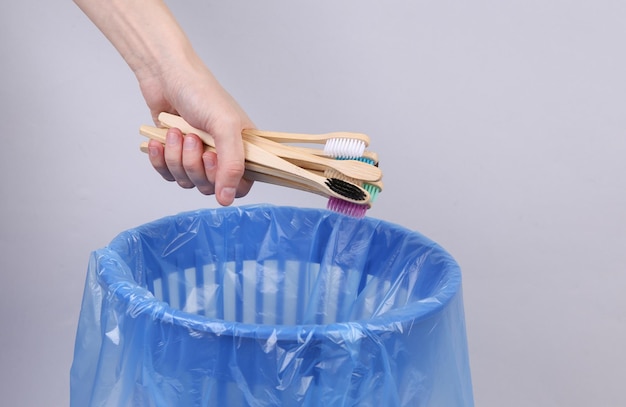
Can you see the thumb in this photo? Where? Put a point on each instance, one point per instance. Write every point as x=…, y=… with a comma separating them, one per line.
x=230, y=165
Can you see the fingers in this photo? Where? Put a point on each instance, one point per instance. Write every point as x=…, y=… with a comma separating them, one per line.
x=193, y=164
x=183, y=159
x=180, y=160
x=173, y=158
x=157, y=159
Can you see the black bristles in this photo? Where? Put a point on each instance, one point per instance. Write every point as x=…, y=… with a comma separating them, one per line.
x=346, y=189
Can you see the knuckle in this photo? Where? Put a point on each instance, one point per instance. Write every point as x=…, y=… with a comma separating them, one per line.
x=234, y=170
x=225, y=122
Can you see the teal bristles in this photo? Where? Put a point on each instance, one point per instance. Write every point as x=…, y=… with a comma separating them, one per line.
x=373, y=190
x=364, y=159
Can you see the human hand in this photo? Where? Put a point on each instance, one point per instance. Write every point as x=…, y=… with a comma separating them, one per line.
x=193, y=93
x=173, y=79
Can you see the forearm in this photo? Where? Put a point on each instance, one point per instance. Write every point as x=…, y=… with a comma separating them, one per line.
x=144, y=32
x=173, y=79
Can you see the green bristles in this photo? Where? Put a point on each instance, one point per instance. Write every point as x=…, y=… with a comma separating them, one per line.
x=373, y=190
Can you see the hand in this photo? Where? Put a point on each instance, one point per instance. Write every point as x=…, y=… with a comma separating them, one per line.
x=173, y=79
x=193, y=93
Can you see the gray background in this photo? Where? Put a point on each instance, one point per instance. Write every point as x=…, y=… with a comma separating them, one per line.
x=500, y=126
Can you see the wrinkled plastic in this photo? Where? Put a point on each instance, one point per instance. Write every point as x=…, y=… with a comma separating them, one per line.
x=271, y=306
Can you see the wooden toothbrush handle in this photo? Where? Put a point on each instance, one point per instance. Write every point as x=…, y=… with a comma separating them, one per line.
x=350, y=168
x=269, y=163
x=258, y=173
x=306, y=138
x=258, y=155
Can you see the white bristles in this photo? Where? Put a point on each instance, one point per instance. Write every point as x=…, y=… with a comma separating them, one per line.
x=344, y=147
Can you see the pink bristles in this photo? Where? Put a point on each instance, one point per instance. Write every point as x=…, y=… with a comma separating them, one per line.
x=346, y=208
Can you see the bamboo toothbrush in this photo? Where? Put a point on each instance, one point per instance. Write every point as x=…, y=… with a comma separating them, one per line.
x=336, y=144
x=367, y=156
x=352, y=148
x=278, y=167
x=350, y=168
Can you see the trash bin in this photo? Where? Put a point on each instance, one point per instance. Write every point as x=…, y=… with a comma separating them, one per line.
x=271, y=306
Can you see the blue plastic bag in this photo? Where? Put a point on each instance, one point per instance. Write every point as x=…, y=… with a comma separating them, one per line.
x=271, y=306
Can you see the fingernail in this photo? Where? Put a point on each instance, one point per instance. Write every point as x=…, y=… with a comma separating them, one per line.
x=228, y=194
x=153, y=151
x=189, y=143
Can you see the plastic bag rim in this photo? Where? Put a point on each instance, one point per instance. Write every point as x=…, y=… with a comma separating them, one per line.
x=398, y=319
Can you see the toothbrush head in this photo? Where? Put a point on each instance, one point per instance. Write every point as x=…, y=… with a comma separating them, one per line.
x=347, y=189
x=344, y=147
x=347, y=208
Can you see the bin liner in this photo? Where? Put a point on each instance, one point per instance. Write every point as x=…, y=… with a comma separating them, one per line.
x=271, y=306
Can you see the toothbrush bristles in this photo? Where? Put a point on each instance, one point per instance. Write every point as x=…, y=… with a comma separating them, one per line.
x=365, y=160
x=373, y=190
x=347, y=208
x=346, y=189
x=344, y=147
